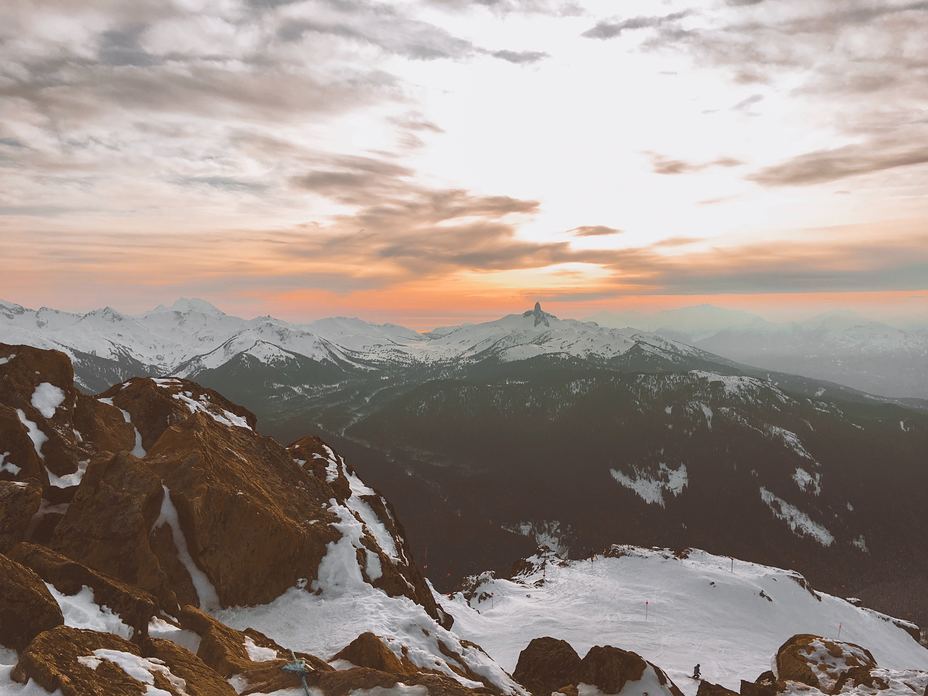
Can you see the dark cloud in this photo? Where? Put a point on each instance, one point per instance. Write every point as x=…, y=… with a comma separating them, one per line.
x=823, y=166
x=594, y=231
x=612, y=28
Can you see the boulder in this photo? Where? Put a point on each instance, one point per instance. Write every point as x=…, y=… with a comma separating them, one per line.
x=27, y=608
x=709, y=689
x=108, y=527
x=78, y=662
x=367, y=650
x=610, y=668
x=546, y=665
x=136, y=607
x=820, y=662
x=19, y=501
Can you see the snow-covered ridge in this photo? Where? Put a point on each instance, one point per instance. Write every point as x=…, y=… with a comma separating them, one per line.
x=192, y=335
x=675, y=610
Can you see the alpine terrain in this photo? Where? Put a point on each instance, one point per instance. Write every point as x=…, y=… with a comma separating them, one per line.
x=491, y=438
x=152, y=542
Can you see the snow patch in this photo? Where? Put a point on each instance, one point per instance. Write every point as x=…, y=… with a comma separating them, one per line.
x=258, y=653
x=652, y=490
x=47, y=398
x=81, y=610
x=798, y=521
x=9, y=466
x=37, y=436
x=141, y=669
x=220, y=415
x=159, y=628
x=206, y=593
x=809, y=483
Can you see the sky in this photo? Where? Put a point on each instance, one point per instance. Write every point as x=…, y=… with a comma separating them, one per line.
x=436, y=161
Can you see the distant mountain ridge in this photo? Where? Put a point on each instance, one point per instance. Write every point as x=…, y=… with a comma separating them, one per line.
x=492, y=437
x=842, y=347
x=192, y=336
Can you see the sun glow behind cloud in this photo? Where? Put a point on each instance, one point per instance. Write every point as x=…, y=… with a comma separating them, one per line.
x=432, y=159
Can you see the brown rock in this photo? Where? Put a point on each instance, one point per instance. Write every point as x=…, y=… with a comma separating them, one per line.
x=609, y=668
x=133, y=605
x=26, y=606
x=223, y=648
x=63, y=658
x=710, y=689
x=200, y=679
x=344, y=682
x=367, y=650
x=18, y=503
x=757, y=689
x=546, y=665
x=107, y=526
x=820, y=662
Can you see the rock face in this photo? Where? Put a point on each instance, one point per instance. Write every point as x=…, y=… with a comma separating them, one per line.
x=126, y=518
x=820, y=662
x=27, y=608
x=88, y=663
x=546, y=665
x=367, y=650
x=808, y=663
x=549, y=665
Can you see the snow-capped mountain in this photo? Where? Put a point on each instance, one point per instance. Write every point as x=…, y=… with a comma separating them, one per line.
x=489, y=437
x=152, y=541
x=839, y=346
x=192, y=336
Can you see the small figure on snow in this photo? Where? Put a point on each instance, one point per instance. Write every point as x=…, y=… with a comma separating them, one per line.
x=696, y=673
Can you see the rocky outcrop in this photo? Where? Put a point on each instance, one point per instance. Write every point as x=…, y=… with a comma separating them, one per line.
x=547, y=664
x=367, y=650
x=820, y=662
x=134, y=606
x=27, y=608
x=88, y=663
x=709, y=689
x=155, y=503
x=19, y=502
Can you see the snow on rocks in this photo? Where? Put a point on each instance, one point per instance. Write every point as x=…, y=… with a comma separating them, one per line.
x=7, y=465
x=142, y=670
x=47, y=398
x=206, y=593
x=38, y=437
x=81, y=610
x=700, y=610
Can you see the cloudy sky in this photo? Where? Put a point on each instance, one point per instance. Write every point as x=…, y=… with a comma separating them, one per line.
x=427, y=161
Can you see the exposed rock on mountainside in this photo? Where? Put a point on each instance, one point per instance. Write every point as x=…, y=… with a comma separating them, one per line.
x=663, y=442
x=128, y=517
x=27, y=608
x=547, y=664
x=550, y=665
x=674, y=608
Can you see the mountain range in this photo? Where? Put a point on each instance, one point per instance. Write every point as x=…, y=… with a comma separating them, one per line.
x=491, y=438
x=153, y=542
x=842, y=346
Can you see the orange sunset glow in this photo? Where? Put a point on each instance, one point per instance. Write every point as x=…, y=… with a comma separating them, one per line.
x=430, y=162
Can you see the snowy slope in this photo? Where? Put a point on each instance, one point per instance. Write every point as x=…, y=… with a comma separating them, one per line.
x=192, y=335
x=699, y=611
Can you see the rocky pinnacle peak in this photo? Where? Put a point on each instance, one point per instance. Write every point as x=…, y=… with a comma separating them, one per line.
x=540, y=316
